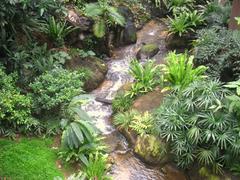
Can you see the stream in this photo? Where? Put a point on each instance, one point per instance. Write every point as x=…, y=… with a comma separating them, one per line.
x=126, y=166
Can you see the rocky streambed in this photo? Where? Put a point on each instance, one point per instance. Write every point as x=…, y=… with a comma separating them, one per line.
x=126, y=166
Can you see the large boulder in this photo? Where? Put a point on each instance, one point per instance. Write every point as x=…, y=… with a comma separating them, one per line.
x=148, y=51
x=151, y=149
x=149, y=101
x=97, y=67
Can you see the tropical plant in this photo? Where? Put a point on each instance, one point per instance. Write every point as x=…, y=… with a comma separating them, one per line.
x=15, y=107
x=185, y=22
x=234, y=100
x=142, y=123
x=178, y=6
x=121, y=103
x=179, y=24
x=198, y=125
x=235, y=169
x=56, y=88
x=57, y=31
x=79, y=137
x=123, y=120
x=104, y=15
x=215, y=13
x=146, y=77
x=218, y=49
x=179, y=70
x=196, y=19
x=19, y=19
x=33, y=60
x=96, y=168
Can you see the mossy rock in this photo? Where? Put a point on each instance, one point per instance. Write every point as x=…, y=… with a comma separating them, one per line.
x=148, y=51
x=151, y=149
x=97, y=68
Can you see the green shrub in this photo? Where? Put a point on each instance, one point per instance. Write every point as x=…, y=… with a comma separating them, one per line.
x=56, y=88
x=15, y=108
x=79, y=137
x=185, y=22
x=146, y=77
x=218, y=49
x=199, y=127
x=178, y=6
x=75, y=52
x=57, y=31
x=217, y=14
x=123, y=119
x=96, y=167
x=179, y=70
x=122, y=103
x=234, y=99
x=18, y=19
x=141, y=123
x=33, y=60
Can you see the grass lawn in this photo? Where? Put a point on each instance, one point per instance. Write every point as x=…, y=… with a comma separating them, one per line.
x=28, y=159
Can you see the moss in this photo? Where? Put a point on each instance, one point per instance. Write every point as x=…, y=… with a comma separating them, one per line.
x=28, y=159
x=151, y=149
x=148, y=48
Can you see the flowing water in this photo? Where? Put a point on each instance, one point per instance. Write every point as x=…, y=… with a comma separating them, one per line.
x=126, y=166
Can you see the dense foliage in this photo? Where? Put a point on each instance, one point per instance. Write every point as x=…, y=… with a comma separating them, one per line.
x=218, y=49
x=55, y=88
x=15, y=107
x=199, y=126
x=179, y=70
x=32, y=60
x=40, y=94
x=79, y=138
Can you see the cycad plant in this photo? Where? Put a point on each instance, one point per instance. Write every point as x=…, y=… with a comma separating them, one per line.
x=179, y=70
x=104, y=15
x=199, y=127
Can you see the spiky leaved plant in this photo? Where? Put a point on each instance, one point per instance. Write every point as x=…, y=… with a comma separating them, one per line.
x=199, y=127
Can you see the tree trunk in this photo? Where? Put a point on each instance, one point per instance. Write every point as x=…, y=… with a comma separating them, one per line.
x=235, y=13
